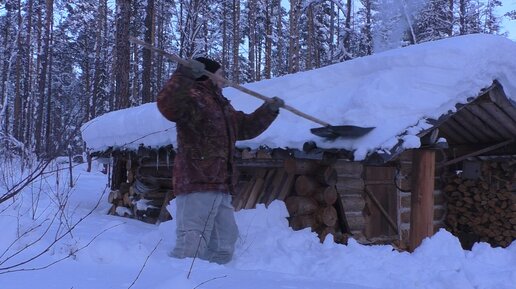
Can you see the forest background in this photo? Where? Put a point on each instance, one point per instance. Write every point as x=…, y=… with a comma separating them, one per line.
x=63, y=63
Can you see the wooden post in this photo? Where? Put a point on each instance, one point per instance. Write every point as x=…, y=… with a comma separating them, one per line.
x=422, y=199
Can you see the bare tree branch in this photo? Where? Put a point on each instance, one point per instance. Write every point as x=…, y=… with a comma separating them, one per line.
x=59, y=236
x=145, y=263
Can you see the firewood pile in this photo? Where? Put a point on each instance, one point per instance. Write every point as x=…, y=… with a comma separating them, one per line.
x=261, y=186
x=148, y=186
x=484, y=209
x=312, y=203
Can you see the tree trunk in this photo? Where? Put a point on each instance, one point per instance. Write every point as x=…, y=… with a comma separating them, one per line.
x=147, y=53
x=159, y=57
x=122, y=65
x=17, y=113
x=310, y=38
x=293, y=55
x=368, y=25
x=50, y=149
x=258, y=64
x=44, y=56
x=268, y=39
x=99, y=65
x=450, y=18
x=189, y=29
x=7, y=50
x=281, y=44
x=135, y=84
x=87, y=79
x=331, y=39
x=347, y=35
x=236, y=40
x=27, y=81
x=462, y=17
x=225, y=36
x=252, y=39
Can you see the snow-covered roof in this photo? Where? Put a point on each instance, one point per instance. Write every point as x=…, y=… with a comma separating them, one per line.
x=396, y=91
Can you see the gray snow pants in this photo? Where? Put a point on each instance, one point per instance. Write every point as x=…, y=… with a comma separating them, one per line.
x=206, y=226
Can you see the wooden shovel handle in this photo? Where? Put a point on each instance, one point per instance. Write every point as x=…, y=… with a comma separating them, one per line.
x=227, y=82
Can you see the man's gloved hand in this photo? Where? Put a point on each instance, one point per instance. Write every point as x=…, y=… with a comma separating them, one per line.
x=275, y=103
x=196, y=67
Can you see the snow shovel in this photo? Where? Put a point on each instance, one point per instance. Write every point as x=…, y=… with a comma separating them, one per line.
x=327, y=131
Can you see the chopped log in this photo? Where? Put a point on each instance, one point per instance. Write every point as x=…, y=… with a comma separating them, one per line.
x=486, y=208
x=127, y=200
x=449, y=188
x=279, y=153
x=263, y=154
x=124, y=188
x=326, y=195
x=241, y=199
x=297, y=205
x=112, y=210
x=268, y=187
x=287, y=187
x=114, y=196
x=302, y=221
x=248, y=154
x=327, y=215
x=301, y=166
x=324, y=232
x=130, y=176
x=277, y=183
x=306, y=185
x=256, y=190
x=164, y=214
x=327, y=176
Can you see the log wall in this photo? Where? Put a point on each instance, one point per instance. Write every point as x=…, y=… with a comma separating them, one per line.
x=350, y=187
x=338, y=197
x=312, y=204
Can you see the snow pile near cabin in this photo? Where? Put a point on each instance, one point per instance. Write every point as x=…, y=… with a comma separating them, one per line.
x=394, y=91
x=268, y=253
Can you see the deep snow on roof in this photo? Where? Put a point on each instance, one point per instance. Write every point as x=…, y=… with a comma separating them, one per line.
x=395, y=91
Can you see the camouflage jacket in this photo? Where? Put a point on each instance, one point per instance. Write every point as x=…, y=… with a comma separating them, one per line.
x=207, y=129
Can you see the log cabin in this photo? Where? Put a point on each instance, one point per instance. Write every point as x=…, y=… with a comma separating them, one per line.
x=452, y=165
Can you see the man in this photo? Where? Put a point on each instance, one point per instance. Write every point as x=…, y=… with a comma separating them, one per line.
x=204, y=172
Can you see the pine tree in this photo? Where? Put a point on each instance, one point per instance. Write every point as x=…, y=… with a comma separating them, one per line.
x=433, y=22
x=122, y=66
x=491, y=21
x=147, y=95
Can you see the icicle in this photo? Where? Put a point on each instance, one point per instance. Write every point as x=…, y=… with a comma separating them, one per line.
x=168, y=159
x=157, y=160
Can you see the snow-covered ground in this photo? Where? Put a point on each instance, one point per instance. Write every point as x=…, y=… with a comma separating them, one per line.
x=395, y=91
x=268, y=253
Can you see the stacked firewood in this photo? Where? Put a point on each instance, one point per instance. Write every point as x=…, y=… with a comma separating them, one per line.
x=148, y=187
x=484, y=209
x=312, y=203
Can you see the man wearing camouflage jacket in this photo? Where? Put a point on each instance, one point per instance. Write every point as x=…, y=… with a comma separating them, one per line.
x=204, y=173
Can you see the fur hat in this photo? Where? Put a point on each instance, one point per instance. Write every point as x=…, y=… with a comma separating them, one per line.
x=209, y=64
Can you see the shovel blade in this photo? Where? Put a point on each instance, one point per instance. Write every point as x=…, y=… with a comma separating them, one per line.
x=341, y=131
